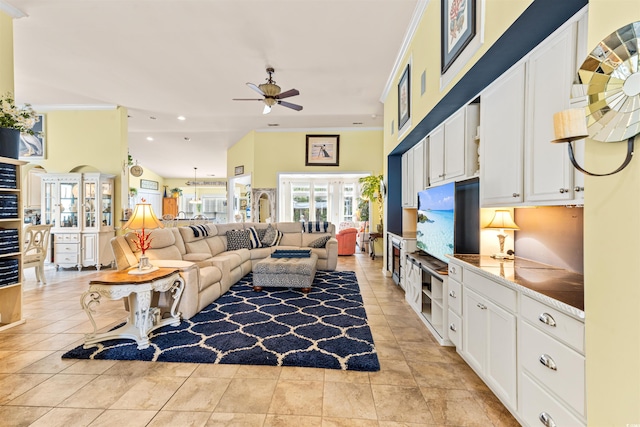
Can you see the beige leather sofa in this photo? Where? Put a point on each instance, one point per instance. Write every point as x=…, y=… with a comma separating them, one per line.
x=207, y=266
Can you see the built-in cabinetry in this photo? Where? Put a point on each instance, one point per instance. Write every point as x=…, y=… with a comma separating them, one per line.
x=414, y=175
x=453, y=153
x=80, y=207
x=11, y=243
x=528, y=348
x=519, y=164
x=398, y=246
x=170, y=206
x=426, y=291
x=33, y=197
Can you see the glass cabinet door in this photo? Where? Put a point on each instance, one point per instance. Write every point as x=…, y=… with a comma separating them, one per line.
x=50, y=200
x=107, y=203
x=89, y=204
x=68, y=206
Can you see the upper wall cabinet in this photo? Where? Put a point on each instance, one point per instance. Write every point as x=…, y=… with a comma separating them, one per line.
x=414, y=174
x=452, y=150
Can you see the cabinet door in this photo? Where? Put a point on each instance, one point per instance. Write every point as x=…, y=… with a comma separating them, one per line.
x=34, y=188
x=413, y=288
x=436, y=155
x=455, y=138
x=502, y=140
x=419, y=168
x=501, y=353
x=551, y=69
x=89, y=250
x=407, y=178
x=474, y=330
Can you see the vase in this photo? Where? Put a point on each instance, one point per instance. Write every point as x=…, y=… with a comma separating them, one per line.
x=9, y=143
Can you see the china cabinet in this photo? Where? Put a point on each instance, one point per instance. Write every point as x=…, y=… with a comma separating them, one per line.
x=80, y=207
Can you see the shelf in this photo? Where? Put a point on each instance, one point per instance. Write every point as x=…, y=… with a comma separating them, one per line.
x=9, y=255
x=426, y=292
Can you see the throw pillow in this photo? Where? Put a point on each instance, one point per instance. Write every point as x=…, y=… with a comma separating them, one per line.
x=238, y=239
x=278, y=237
x=270, y=236
x=254, y=238
x=261, y=232
x=320, y=243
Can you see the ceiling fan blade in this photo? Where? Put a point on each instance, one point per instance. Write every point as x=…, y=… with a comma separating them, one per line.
x=247, y=99
x=290, y=105
x=256, y=88
x=287, y=94
x=266, y=110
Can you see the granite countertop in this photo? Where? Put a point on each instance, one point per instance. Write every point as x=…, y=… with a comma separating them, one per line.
x=535, y=279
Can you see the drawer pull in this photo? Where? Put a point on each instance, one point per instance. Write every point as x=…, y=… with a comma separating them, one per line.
x=452, y=270
x=546, y=420
x=547, y=361
x=453, y=327
x=452, y=294
x=547, y=319
x=482, y=306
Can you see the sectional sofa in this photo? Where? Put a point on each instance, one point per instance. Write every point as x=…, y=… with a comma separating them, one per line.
x=213, y=257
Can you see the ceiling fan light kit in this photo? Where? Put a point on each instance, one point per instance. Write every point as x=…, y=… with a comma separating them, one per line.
x=272, y=95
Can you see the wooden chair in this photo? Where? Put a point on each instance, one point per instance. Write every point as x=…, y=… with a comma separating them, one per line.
x=36, y=238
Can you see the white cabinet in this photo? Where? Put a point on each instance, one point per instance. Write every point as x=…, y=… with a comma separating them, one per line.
x=33, y=188
x=453, y=154
x=80, y=207
x=413, y=173
x=454, y=303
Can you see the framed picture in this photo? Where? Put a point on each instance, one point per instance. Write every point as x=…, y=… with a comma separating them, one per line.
x=458, y=28
x=404, y=98
x=32, y=147
x=238, y=170
x=322, y=150
x=148, y=184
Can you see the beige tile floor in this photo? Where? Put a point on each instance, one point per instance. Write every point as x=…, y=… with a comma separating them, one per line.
x=420, y=383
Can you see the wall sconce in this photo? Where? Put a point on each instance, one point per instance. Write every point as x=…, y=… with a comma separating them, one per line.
x=610, y=81
x=502, y=220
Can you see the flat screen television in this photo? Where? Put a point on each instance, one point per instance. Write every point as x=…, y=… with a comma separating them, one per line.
x=435, y=228
x=449, y=219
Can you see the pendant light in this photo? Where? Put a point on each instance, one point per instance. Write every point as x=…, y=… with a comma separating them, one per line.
x=195, y=199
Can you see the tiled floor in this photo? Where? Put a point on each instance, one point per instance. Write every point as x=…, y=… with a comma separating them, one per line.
x=420, y=383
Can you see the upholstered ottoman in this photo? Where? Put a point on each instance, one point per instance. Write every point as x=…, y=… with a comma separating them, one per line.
x=285, y=273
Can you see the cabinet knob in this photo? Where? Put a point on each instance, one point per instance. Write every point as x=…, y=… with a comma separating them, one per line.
x=441, y=176
x=453, y=327
x=578, y=189
x=546, y=420
x=547, y=319
x=452, y=270
x=516, y=194
x=564, y=190
x=452, y=294
x=547, y=361
x=482, y=306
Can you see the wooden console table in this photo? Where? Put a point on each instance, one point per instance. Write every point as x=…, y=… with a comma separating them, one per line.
x=142, y=319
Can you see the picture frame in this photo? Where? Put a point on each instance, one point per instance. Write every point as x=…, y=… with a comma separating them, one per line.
x=458, y=25
x=148, y=184
x=322, y=150
x=33, y=147
x=404, y=98
x=238, y=170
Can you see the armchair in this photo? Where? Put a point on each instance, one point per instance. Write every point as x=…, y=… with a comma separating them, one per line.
x=347, y=241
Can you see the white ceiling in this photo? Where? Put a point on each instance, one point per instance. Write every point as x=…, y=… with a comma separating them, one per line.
x=165, y=58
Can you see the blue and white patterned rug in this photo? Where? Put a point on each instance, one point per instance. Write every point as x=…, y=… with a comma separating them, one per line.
x=326, y=328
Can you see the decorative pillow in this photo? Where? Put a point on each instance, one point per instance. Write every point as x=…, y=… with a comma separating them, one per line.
x=254, y=238
x=238, y=239
x=278, y=237
x=270, y=236
x=261, y=232
x=320, y=243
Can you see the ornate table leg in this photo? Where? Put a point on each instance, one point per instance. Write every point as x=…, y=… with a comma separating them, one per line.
x=139, y=303
x=87, y=301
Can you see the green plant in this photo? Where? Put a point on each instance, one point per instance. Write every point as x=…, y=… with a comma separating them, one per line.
x=370, y=191
x=133, y=191
x=176, y=190
x=13, y=117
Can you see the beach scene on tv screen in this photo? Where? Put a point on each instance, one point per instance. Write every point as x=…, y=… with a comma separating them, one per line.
x=435, y=226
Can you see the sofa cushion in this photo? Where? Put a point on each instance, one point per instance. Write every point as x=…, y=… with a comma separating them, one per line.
x=196, y=256
x=209, y=276
x=270, y=236
x=254, y=238
x=320, y=242
x=238, y=239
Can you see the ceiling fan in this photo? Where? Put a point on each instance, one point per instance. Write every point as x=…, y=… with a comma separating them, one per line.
x=272, y=95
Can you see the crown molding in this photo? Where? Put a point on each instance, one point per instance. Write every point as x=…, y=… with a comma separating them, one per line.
x=411, y=30
x=12, y=11
x=46, y=108
x=320, y=130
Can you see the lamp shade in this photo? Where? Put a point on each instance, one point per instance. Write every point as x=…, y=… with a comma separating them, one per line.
x=570, y=125
x=143, y=218
x=502, y=219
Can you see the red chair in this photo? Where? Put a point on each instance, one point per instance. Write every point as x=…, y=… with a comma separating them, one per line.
x=347, y=241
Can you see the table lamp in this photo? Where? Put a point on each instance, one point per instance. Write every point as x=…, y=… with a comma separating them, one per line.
x=502, y=220
x=141, y=220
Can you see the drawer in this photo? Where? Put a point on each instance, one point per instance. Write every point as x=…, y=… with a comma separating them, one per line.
x=71, y=259
x=494, y=291
x=67, y=248
x=553, y=322
x=67, y=238
x=535, y=403
x=567, y=380
x=454, y=297
x=455, y=330
x=455, y=271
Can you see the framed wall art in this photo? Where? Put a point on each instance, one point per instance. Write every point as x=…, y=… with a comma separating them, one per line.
x=404, y=98
x=322, y=150
x=148, y=184
x=32, y=147
x=458, y=28
x=238, y=170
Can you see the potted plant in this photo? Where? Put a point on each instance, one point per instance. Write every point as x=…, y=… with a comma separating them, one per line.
x=133, y=191
x=176, y=192
x=370, y=191
x=13, y=121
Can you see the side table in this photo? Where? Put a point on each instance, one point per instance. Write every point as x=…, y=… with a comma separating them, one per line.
x=142, y=319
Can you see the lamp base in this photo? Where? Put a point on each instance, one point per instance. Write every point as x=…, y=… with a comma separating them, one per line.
x=144, y=266
x=502, y=256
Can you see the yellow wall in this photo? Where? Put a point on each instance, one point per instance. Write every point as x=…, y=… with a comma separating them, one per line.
x=6, y=54
x=241, y=154
x=612, y=251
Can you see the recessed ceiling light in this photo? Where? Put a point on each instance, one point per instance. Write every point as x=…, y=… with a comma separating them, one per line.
x=149, y=138
x=182, y=118
x=186, y=138
x=152, y=117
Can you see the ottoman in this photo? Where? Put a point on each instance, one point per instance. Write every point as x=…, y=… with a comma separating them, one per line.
x=285, y=273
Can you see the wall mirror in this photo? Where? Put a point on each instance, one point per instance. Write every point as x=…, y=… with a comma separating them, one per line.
x=263, y=204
